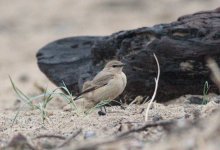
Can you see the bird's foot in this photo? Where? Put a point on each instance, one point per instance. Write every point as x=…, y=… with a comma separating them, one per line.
x=101, y=113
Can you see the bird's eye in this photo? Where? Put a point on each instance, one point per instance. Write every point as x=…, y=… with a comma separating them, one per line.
x=114, y=66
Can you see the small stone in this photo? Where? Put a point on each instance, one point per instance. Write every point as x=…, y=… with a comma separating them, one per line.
x=157, y=118
x=89, y=134
x=138, y=99
x=196, y=100
x=216, y=99
x=67, y=108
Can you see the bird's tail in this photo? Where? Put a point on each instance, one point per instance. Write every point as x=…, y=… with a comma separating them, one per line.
x=77, y=97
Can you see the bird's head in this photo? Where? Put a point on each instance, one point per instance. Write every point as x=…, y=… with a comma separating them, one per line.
x=114, y=65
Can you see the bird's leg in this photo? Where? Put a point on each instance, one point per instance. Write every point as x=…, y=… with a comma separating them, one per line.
x=104, y=109
x=101, y=112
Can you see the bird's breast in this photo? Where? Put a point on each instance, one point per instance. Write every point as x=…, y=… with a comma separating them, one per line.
x=110, y=91
x=118, y=84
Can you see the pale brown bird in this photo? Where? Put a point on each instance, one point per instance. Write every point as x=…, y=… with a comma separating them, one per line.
x=106, y=85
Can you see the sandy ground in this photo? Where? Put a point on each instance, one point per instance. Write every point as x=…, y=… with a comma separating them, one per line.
x=27, y=25
x=95, y=128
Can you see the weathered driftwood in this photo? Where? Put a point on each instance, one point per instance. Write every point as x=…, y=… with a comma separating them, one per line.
x=181, y=48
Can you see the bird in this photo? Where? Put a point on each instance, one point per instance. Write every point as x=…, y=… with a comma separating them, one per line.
x=108, y=84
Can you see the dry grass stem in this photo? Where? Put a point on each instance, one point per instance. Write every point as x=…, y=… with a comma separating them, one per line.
x=155, y=90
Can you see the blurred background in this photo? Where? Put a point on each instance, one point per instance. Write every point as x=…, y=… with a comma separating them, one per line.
x=28, y=25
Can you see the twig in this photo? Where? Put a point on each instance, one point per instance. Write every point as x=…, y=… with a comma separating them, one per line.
x=135, y=100
x=155, y=90
x=50, y=136
x=148, y=125
x=145, y=100
x=68, y=140
x=95, y=144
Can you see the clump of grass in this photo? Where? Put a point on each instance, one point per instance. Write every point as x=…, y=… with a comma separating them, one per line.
x=47, y=96
x=205, y=93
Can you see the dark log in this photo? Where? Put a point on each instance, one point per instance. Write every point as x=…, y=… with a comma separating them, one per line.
x=181, y=48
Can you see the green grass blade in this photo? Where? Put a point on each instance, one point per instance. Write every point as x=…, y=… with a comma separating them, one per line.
x=15, y=117
x=20, y=94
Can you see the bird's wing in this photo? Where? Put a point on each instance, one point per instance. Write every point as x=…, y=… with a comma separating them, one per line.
x=99, y=81
x=102, y=78
x=86, y=85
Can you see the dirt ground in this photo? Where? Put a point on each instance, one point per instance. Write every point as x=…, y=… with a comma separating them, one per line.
x=27, y=25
